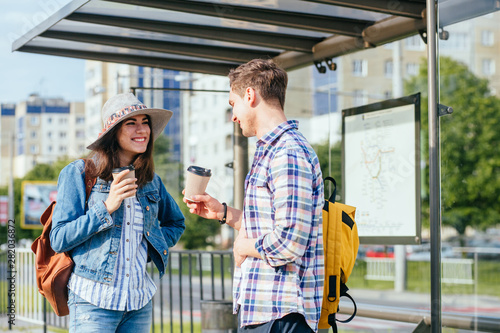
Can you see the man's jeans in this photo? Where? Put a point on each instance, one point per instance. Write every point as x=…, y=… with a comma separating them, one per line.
x=291, y=323
x=86, y=318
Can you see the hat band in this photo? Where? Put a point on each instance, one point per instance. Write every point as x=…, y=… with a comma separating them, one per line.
x=115, y=117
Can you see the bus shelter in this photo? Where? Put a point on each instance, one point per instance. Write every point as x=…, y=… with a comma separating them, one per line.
x=213, y=36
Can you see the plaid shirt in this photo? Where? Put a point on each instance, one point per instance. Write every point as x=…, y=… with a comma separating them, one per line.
x=283, y=211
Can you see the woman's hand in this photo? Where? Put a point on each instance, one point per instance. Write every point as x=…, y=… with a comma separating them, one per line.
x=205, y=206
x=119, y=190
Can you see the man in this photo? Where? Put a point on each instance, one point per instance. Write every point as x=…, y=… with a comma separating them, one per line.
x=278, y=282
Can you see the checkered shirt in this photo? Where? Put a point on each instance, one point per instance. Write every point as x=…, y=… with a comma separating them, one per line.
x=283, y=211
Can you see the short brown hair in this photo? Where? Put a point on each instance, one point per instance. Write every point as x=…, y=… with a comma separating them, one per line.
x=267, y=78
x=106, y=159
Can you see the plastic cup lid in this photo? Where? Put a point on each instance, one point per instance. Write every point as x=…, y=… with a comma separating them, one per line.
x=118, y=170
x=200, y=171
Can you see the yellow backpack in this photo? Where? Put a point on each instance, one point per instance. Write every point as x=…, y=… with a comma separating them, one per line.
x=340, y=242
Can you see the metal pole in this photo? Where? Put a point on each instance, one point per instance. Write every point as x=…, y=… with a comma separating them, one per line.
x=240, y=165
x=397, y=91
x=434, y=169
x=11, y=179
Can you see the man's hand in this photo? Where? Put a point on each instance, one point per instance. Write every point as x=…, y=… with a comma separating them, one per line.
x=239, y=247
x=119, y=190
x=205, y=206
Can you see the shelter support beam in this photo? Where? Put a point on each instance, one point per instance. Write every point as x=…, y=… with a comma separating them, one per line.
x=186, y=49
x=257, y=38
x=434, y=168
x=400, y=8
x=215, y=68
x=320, y=23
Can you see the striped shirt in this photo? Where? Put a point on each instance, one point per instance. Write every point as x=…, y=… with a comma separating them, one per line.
x=132, y=287
x=283, y=211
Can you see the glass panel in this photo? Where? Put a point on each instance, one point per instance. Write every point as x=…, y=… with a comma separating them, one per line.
x=468, y=82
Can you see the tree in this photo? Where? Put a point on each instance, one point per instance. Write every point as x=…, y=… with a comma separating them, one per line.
x=199, y=232
x=469, y=139
x=330, y=160
x=48, y=172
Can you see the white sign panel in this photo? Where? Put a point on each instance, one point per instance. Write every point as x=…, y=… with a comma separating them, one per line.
x=381, y=172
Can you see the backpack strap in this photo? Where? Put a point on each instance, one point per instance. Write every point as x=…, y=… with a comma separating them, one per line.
x=331, y=317
x=333, y=195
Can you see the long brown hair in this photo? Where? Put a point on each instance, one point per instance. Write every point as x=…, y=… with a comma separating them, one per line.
x=105, y=158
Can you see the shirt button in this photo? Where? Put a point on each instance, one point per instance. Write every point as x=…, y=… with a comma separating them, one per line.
x=128, y=206
x=127, y=275
x=147, y=233
x=127, y=240
x=128, y=259
x=128, y=223
x=147, y=208
x=165, y=252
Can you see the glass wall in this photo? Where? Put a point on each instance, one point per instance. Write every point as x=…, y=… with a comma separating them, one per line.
x=470, y=183
x=392, y=272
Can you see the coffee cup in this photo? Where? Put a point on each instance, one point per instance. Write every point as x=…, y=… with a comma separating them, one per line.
x=131, y=174
x=196, y=181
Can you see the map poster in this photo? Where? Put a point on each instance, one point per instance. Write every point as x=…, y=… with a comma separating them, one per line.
x=36, y=197
x=381, y=169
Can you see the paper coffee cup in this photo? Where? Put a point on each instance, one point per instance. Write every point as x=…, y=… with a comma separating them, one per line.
x=131, y=174
x=196, y=181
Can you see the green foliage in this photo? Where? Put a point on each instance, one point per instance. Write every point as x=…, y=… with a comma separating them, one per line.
x=469, y=139
x=41, y=172
x=199, y=232
x=171, y=172
x=330, y=160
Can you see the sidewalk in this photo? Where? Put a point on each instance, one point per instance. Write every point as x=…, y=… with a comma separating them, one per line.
x=22, y=326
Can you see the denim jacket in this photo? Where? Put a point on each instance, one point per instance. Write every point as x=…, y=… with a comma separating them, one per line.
x=92, y=235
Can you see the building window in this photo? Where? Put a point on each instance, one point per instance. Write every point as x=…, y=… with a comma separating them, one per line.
x=387, y=94
x=229, y=115
x=358, y=97
x=388, y=65
x=359, y=68
x=487, y=38
x=412, y=69
x=488, y=66
x=414, y=43
x=33, y=149
x=49, y=148
x=34, y=121
x=80, y=134
x=62, y=135
x=62, y=149
x=49, y=135
x=80, y=120
x=457, y=40
x=33, y=134
x=49, y=120
x=229, y=142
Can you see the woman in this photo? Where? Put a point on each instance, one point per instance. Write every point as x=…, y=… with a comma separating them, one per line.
x=126, y=222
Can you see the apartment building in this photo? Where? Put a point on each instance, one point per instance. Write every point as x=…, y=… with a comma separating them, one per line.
x=7, y=137
x=43, y=130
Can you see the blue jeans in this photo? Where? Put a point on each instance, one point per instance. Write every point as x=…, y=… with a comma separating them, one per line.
x=87, y=318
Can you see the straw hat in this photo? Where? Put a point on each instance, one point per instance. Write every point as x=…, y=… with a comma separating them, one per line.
x=123, y=106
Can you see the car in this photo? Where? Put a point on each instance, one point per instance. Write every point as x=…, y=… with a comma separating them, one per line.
x=380, y=251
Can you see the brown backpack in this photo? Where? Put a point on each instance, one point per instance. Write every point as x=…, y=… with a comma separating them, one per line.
x=54, y=269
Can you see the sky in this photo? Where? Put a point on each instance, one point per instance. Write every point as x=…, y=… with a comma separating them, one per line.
x=22, y=74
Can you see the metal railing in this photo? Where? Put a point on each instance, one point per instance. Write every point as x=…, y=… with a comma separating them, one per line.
x=195, y=276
